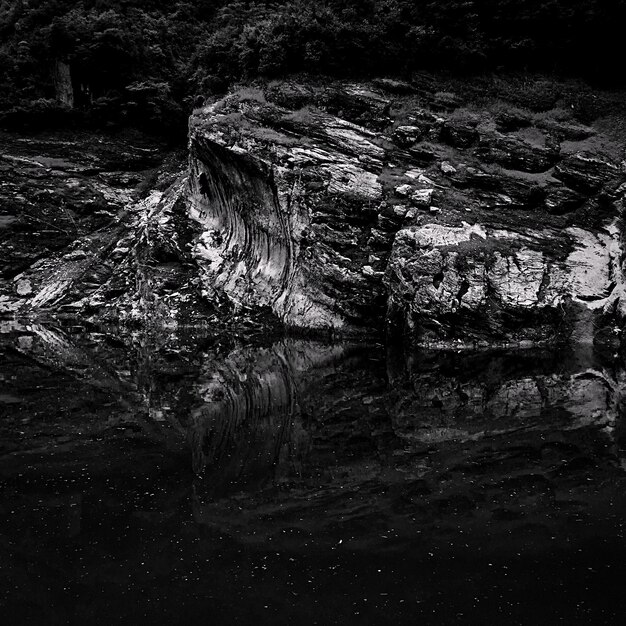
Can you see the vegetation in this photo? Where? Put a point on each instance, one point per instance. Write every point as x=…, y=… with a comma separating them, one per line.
x=143, y=62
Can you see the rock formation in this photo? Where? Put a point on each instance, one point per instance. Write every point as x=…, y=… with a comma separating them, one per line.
x=340, y=206
x=350, y=208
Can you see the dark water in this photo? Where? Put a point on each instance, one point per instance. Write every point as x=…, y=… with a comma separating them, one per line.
x=187, y=479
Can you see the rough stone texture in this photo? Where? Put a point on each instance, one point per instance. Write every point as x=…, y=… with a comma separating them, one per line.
x=515, y=154
x=286, y=203
x=333, y=208
x=471, y=283
x=351, y=198
x=94, y=228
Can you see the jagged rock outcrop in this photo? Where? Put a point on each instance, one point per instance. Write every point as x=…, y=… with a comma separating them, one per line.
x=473, y=283
x=346, y=208
x=74, y=222
x=95, y=228
x=340, y=206
x=286, y=203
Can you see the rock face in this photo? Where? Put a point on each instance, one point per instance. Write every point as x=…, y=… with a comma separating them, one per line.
x=342, y=206
x=95, y=228
x=473, y=283
x=286, y=203
x=346, y=209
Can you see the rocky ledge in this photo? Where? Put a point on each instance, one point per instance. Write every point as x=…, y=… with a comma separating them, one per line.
x=345, y=206
x=466, y=218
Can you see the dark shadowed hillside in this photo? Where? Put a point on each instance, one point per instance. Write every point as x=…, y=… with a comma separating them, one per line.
x=120, y=62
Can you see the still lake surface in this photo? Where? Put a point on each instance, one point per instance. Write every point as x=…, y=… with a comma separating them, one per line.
x=186, y=478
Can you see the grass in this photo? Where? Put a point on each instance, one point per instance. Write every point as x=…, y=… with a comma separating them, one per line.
x=250, y=94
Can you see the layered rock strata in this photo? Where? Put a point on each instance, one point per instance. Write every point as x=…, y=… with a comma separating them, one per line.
x=339, y=207
x=349, y=208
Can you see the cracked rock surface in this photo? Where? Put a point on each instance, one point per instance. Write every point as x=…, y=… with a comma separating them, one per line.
x=457, y=218
x=459, y=226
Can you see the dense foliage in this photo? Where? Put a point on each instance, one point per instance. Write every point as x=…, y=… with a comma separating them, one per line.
x=143, y=61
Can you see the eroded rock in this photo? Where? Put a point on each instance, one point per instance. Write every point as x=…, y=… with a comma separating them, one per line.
x=516, y=154
x=345, y=207
x=472, y=284
x=292, y=205
x=586, y=172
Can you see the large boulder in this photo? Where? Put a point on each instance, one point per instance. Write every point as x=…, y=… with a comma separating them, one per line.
x=472, y=284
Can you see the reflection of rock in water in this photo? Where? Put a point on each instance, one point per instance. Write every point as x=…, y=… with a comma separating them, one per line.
x=300, y=439
x=444, y=437
x=248, y=430
x=472, y=395
x=99, y=382
x=317, y=465
x=53, y=349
